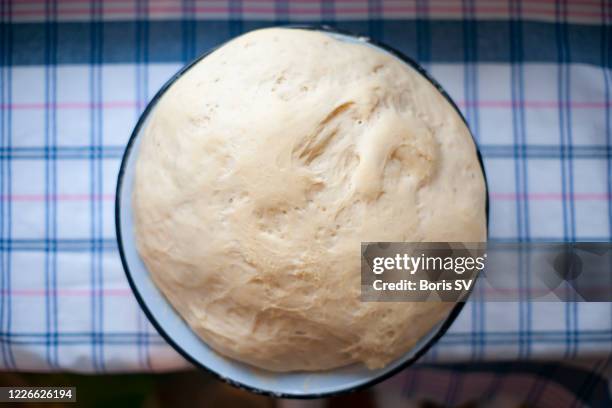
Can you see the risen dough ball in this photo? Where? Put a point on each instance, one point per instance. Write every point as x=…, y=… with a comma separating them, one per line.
x=264, y=167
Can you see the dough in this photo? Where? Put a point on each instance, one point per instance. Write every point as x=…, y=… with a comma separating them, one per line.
x=263, y=168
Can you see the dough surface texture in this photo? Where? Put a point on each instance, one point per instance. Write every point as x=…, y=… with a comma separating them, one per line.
x=262, y=169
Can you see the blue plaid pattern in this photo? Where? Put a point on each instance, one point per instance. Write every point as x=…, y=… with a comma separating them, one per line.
x=532, y=78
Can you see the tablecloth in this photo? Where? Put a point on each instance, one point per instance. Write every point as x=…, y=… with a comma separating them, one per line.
x=532, y=79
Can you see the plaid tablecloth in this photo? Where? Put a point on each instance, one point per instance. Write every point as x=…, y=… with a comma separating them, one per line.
x=532, y=78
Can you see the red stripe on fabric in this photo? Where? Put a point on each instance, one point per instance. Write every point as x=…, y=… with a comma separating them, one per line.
x=551, y=196
x=68, y=292
x=493, y=196
x=479, y=104
x=250, y=9
x=71, y=105
x=534, y=104
x=592, y=3
x=57, y=197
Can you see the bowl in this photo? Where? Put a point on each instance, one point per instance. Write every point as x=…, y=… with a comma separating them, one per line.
x=179, y=335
